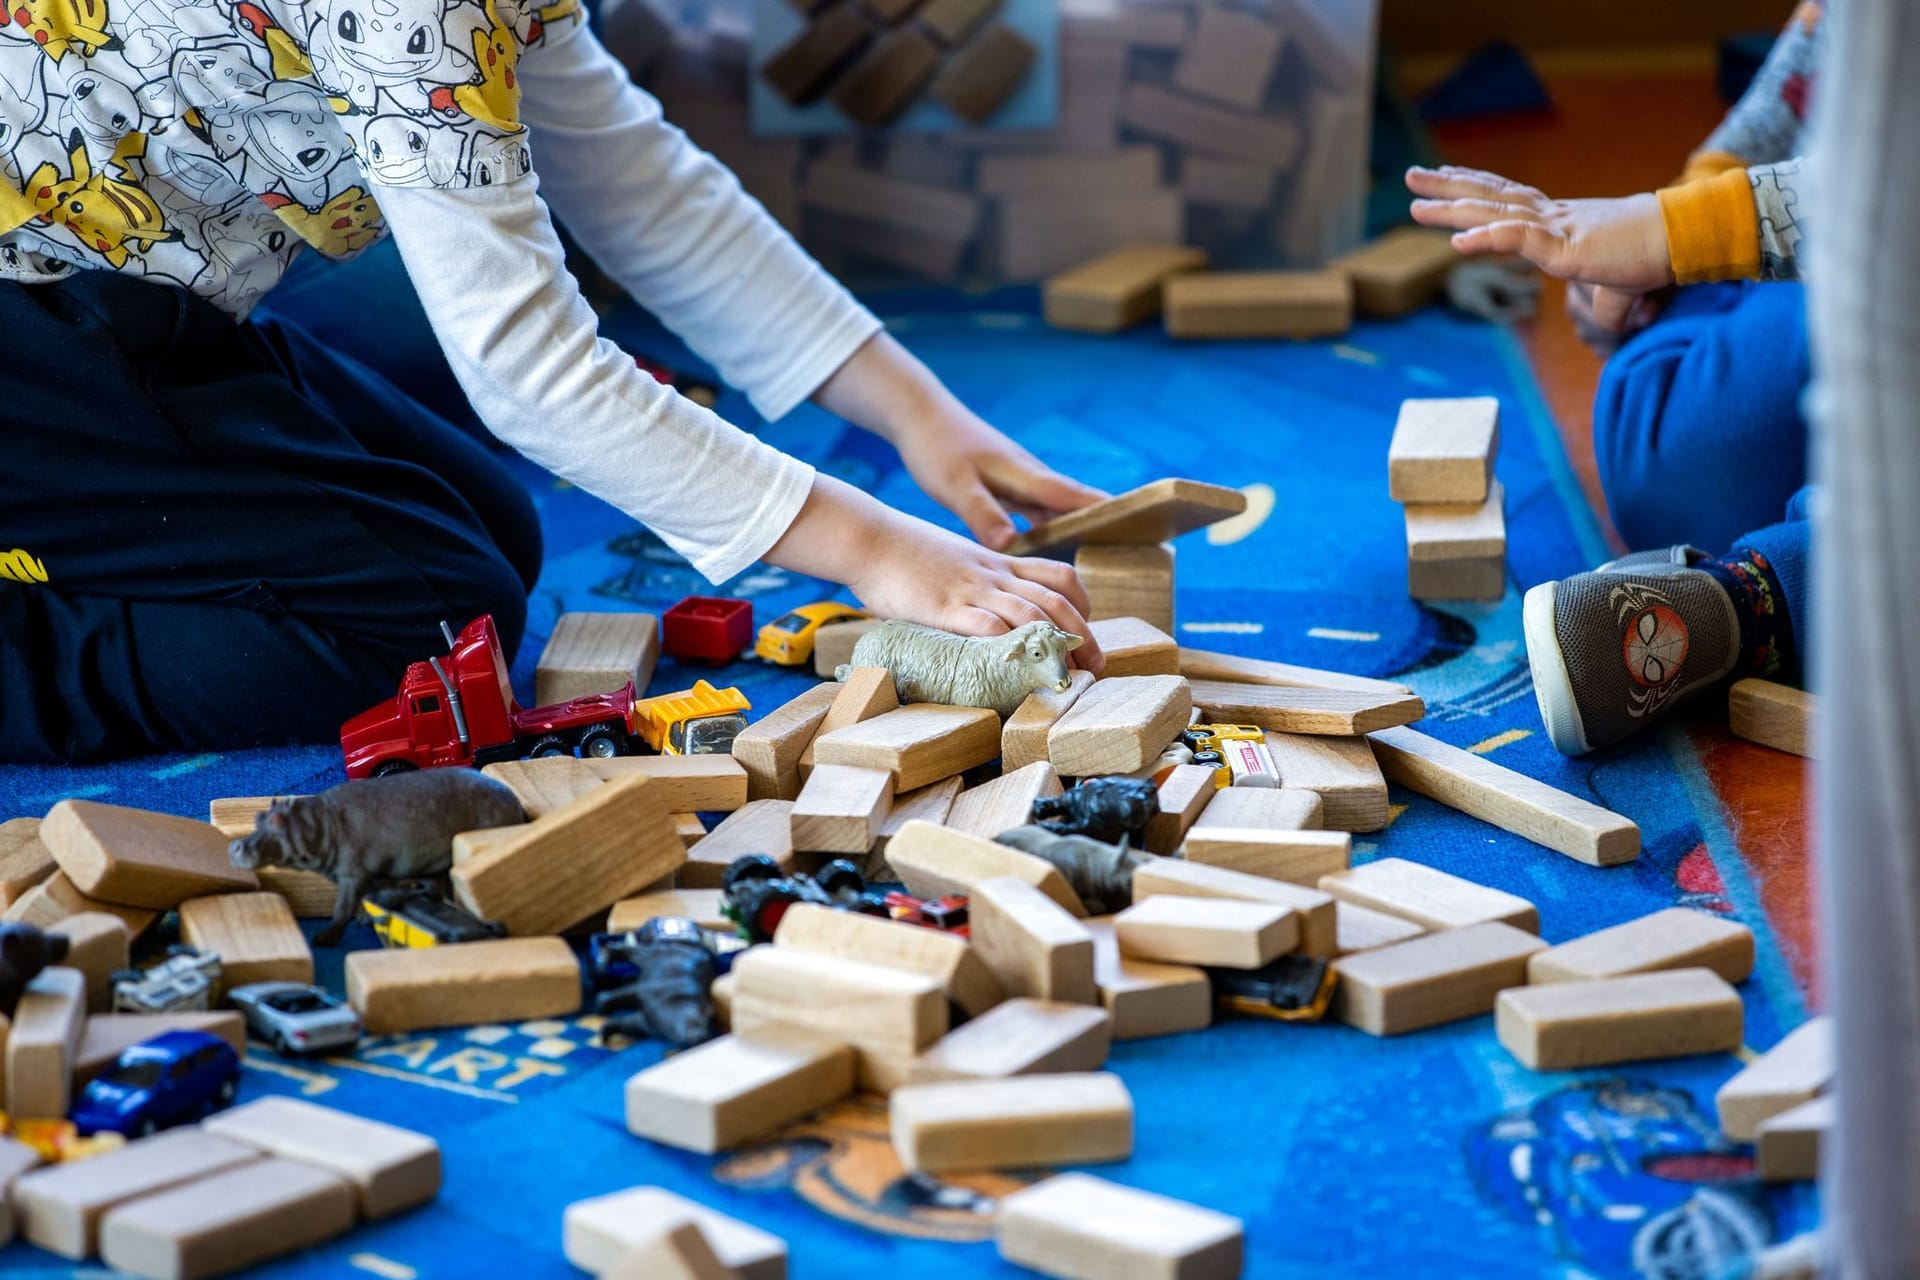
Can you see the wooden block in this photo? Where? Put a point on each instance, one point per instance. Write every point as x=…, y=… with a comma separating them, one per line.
x=107, y=1035
x=1018, y=1038
x=1146, y=998
x=1197, y=880
x=1794, y=1071
x=833, y=644
x=931, y=804
x=1512, y=801
x=951, y=21
x=1184, y=795
x=1443, y=450
x=1272, y=140
x=1459, y=530
x=16, y=1158
x=43, y=1043
x=1231, y=57
x=847, y=935
x=502, y=980
x=1130, y=168
x=702, y=906
x=1226, y=184
x=613, y=842
x=1079, y=1227
x=1201, y=664
x=139, y=859
x=1428, y=896
x=685, y=784
x=918, y=744
x=1262, y=808
x=1773, y=715
x=24, y=860
x=389, y=1168
x=1676, y=938
x=598, y=1233
x=97, y=946
x=1317, y=712
x=60, y=1206
x=1563, y=1026
x=1217, y=932
x=737, y=1088
x=1015, y=1123
x=1005, y=802
x=985, y=73
x=227, y=1221
x=1300, y=857
x=803, y=68
x=1402, y=271
x=1135, y=647
x=1428, y=980
x=867, y=692
x=308, y=894
x=1031, y=943
x=1023, y=739
x=1360, y=928
x=1790, y=1143
x=840, y=809
x=236, y=815
x=1468, y=578
x=690, y=828
x=254, y=934
x=1040, y=234
x=1259, y=304
x=886, y=80
x=935, y=861
x=887, y=1015
x=759, y=826
x=1128, y=581
x=1119, y=725
x=722, y=992
x=769, y=749
x=680, y=1252
x=596, y=653
x=1153, y=513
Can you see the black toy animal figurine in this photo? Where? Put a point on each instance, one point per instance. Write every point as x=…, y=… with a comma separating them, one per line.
x=1101, y=874
x=1109, y=809
x=24, y=951
x=671, y=999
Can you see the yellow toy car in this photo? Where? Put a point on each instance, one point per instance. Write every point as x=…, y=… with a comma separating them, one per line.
x=413, y=916
x=1238, y=753
x=788, y=641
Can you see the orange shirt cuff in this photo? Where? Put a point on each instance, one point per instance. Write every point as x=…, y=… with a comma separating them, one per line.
x=1713, y=229
x=1708, y=164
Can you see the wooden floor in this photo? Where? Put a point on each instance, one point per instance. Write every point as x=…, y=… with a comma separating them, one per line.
x=1615, y=132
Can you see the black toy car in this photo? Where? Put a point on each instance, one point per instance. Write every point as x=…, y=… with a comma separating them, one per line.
x=758, y=893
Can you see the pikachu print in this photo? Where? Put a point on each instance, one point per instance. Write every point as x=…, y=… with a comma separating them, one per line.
x=111, y=217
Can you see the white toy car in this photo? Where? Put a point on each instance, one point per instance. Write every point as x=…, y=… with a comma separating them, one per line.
x=295, y=1017
x=183, y=981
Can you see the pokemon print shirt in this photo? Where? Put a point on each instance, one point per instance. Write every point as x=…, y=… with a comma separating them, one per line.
x=203, y=143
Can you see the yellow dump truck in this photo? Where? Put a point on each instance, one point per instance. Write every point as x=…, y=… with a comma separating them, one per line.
x=700, y=721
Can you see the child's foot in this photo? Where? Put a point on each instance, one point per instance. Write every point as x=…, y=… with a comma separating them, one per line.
x=1615, y=649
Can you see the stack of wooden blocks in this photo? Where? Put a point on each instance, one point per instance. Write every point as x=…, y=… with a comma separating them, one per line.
x=1440, y=467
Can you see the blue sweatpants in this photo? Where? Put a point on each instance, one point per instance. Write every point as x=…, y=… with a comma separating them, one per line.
x=1699, y=433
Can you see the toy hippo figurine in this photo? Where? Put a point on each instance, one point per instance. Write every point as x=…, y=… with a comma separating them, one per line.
x=1102, y=874
x=1108, y=809
x=965, y=671
x=24, y=951
x=376, y=830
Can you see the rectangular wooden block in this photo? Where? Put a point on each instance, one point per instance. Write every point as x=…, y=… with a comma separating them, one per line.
x=934, y=861
x=1466, y=578
x=1773, y=715
x=1117, y=290
x=1425, y=981
x=952, y=21
x=97, y=946
x=389, y=1168
x=930, y=804
x=1197, y=880
x=702, y=906
x=55, y=899
x=685, y=784
x=1794, y=1071
x=918, y=744
x=24, y=859
x=803, y=68
x=1203, y=664
x=1145, y=997
x=1017, y=1038
x=139, y=859
x=848, y=935
x=1363, y=929
x=613, y=842
x=1402, y=271
x=1153, y=513
x=596, y=653
x=1512, y=801
x=503, y=980
x=598, y=1233
x=1564, y=1026
x=1184, y=795
x=1135, y=647
x=254, y=934
x=106, y=1035
x=1031, y=943
x=1676, y=938
x=1004, y=803
x=886, y=80
x=16, y=1158
x=1458, y=530
x=1079, y=1227
x=227, y=1221
x=1316, y=712
x=60, y=1206
x=1443, y=450
x=680, y=1252
x=759, y=826
x=1259, y=304
x=865, y=693
x=1284, y=809
x=868, y=1006
x=43, y=1043
x=737, y=1088
x=236, y=816
x=1119, y=725
x=1341, y=771
x=769, y=749
x=833, y=644
x=1129, y=582
x=983, y=74
x=1216, y=932
x=1428, y=896
x=1790, y=1143
x=1301, y=857
x=1023, y=739
x=1272, y=140
x=1231, y=57
x=840, y=809
x=1015, y=1123
x=309, y=895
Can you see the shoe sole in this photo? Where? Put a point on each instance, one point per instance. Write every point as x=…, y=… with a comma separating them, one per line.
x=1552, y=686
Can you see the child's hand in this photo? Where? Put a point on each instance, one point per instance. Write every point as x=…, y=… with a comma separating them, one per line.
x=1604, y=318
x=1620, y=244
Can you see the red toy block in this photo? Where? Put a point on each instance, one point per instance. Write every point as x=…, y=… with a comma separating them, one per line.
x=707, y=629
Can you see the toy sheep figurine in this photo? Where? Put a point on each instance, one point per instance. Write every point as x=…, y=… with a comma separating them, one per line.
x=963, y=671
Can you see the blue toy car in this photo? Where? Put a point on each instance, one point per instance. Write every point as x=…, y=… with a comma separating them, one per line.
x=171, y=1079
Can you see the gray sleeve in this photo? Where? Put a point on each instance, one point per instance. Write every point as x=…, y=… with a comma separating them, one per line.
x=1766, y=124
x=1776, y=201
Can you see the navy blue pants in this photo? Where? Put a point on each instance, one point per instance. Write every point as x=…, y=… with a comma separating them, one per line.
x=1699, y=432
x=244, y=537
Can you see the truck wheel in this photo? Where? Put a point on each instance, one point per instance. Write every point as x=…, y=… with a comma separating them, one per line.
x=551, y=745
x=602, y=744
x=387, y=768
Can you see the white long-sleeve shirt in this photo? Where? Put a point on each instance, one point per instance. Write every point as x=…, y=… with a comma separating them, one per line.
x=203, y=144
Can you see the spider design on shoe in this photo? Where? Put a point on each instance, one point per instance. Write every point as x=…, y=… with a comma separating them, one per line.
x=1653, y=645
